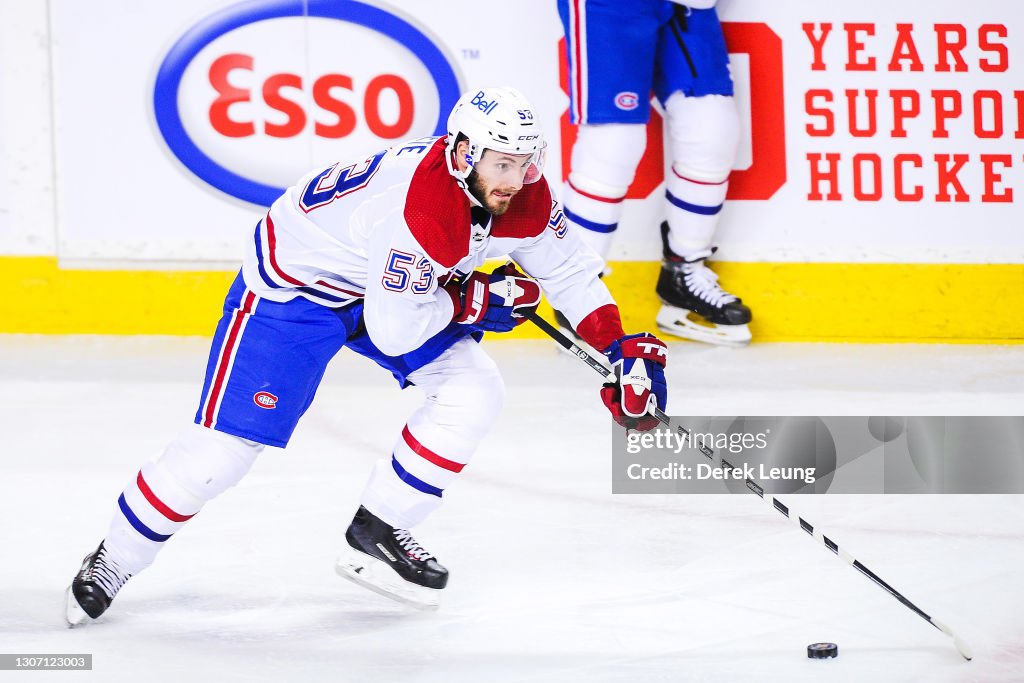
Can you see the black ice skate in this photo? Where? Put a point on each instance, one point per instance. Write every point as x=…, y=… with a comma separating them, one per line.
x=694, y=305
x=94, y=587
x=389, y=561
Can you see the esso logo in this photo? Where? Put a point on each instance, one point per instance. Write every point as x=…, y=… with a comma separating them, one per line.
x=254, y=96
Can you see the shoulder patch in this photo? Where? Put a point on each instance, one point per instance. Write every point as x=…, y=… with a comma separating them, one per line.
x=527, y=215
x=436, y=210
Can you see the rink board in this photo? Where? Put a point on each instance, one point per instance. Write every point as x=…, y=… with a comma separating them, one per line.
x=884, y=302
x=876, y=194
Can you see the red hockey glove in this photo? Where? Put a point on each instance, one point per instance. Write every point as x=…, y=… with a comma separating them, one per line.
x=496, y=302
x=639, y=364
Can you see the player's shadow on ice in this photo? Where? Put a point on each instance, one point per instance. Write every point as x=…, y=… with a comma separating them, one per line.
x=191, y=615
x=282, y=612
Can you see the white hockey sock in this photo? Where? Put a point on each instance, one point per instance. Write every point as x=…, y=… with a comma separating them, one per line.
x=595, y=214
x=464, y=394
x=404, y=491
x=704, y=135
x=604, y=161
x=693, y=209
x=167, y=492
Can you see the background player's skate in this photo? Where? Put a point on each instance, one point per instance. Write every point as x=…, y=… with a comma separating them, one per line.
x=389, y=561
x=694, y=305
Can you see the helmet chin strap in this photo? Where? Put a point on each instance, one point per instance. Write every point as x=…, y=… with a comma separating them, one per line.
x=461, y=177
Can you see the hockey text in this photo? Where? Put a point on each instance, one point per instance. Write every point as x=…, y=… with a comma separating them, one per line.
x=945, y=86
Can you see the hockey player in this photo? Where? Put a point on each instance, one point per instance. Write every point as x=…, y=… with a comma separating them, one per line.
x=678, y=51
x=382, y=256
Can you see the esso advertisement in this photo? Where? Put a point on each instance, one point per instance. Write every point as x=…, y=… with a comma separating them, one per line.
x=256, y=95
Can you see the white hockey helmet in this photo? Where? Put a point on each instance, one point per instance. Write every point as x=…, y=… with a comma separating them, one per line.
x=499, y=119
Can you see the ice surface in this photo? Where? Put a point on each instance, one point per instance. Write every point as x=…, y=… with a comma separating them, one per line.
x=553, y=578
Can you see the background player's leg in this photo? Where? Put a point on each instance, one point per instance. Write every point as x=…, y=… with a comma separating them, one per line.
x=604, y=161
x=464, y=395
x=611, y=47
x=611, y=50
x=703, y=138
x=694, y=84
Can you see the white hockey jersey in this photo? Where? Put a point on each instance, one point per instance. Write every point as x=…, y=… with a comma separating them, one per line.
x=393, y=229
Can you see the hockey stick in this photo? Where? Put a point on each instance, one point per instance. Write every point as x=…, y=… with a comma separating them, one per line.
x=962, y=647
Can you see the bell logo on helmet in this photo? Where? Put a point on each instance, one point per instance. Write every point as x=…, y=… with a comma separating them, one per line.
x=482, y=104
x=247, y=94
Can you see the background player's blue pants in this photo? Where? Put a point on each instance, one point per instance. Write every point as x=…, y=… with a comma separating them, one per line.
x=620, y=51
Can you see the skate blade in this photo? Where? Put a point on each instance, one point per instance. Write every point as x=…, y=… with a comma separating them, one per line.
x=678, y=322
x=375, y=575
x=74, y=615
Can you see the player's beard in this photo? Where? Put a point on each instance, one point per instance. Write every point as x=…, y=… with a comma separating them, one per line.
x=482, y=193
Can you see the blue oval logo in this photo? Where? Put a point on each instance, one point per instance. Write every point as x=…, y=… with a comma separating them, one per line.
x=189, y=151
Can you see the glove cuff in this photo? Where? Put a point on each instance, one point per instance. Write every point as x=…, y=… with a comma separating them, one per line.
x=601, y=327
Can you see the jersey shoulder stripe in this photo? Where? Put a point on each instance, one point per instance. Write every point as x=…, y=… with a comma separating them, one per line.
x=528, y=213
x=437, y=211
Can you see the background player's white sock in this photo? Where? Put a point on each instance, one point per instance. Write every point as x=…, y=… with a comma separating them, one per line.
x=594, y=216
x=693, y=209
x=703, y=135
x=604, y=161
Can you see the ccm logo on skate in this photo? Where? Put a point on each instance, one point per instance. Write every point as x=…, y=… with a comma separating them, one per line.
x=627, y=100
x=249, y=92
x=265, y=399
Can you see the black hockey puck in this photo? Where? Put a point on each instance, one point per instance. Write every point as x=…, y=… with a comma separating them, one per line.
x=822, y=650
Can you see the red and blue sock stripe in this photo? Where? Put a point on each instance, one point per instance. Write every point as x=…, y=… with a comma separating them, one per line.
x=165, y=513
x=427, y=463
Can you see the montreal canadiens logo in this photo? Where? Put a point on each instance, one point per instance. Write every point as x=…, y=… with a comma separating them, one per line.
x=257, y=94
x=627, y=100
x=265, y=399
